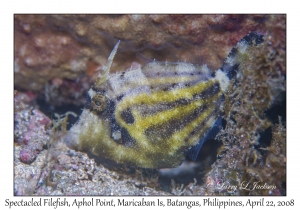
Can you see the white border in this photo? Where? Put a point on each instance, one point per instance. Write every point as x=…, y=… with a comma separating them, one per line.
x=8, y=8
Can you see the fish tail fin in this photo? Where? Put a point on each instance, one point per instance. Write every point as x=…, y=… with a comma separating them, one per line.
x=238, y=53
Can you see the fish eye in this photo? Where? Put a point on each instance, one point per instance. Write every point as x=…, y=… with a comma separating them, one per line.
x=99, y=103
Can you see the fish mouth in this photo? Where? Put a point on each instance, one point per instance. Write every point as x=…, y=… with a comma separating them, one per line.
x=86, y=131
x=71, y=140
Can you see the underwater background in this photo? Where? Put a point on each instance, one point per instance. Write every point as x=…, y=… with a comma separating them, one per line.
x=58, y=57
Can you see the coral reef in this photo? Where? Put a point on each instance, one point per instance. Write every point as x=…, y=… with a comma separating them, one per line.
x=74, y=173
x=57, y=58
x=30, y=127
x=59, y=55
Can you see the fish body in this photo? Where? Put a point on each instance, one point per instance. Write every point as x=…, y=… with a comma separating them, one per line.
x=155, y=115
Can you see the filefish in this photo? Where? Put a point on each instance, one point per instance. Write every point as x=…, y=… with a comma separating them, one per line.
x=156, y=115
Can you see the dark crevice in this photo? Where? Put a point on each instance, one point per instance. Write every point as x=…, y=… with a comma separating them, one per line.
x=224, y=123
x=265, y=138
x=277, y=110
x=50, y=110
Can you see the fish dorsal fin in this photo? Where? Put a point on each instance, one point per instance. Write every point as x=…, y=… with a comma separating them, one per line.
x=103, y=75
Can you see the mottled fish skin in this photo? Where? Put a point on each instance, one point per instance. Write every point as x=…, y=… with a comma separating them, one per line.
x=152, y=116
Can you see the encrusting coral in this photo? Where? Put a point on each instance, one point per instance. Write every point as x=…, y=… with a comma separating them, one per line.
x=59, y=56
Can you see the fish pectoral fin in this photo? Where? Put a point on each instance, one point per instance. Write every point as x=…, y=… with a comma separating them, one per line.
x=193, y=152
